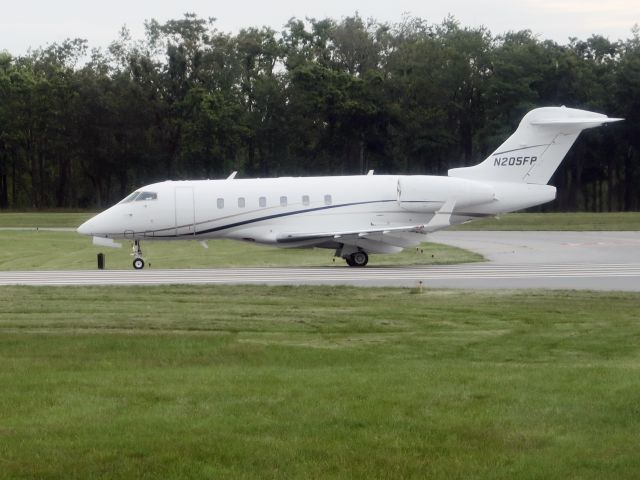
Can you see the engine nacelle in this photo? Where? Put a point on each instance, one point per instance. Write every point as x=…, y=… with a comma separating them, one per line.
x=424, y=193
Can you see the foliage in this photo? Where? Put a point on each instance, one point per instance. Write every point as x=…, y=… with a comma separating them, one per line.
x=81, y=129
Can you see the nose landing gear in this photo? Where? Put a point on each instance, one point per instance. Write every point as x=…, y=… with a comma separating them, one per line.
x=138, y=261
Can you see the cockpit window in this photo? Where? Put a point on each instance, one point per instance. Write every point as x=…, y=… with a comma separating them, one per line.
x=140, y=197
x=145, y=196
x=130, y=198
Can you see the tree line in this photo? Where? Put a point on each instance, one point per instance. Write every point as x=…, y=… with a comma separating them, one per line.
x=82, y=127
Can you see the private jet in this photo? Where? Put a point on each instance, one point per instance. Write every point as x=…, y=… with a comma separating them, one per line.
x=353, y=215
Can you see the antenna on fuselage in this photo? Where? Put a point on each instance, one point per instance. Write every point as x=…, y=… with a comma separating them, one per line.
x=232, y=176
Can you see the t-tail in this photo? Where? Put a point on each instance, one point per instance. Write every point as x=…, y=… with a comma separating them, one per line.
x=534, y=152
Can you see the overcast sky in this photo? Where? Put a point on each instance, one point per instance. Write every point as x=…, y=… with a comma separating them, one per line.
x=35, y=23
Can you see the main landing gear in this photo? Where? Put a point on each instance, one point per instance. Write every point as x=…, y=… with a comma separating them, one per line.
x=357, y=259
x=138, y=261
x=354, y=256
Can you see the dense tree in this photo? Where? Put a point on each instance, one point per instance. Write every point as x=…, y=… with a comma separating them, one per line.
x=80, y=128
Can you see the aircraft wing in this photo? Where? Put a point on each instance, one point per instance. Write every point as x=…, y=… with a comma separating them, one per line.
x=401, y=236
x=297, y=237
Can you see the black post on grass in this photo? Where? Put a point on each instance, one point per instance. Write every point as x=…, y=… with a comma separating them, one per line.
x=101, y=261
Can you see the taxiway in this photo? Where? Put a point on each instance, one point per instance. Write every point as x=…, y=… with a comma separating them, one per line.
x=517, y=260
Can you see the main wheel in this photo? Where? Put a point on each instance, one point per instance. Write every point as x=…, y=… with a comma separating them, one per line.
x=138, y=263
x=358, y=259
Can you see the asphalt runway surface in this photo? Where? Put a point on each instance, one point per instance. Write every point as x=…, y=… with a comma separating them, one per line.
x=517, y=260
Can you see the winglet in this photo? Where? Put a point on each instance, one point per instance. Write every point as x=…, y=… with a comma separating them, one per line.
x=442, y=218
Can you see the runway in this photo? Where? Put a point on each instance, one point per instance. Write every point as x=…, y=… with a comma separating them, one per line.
x=594, y=277
x=591, y=260
x=485, y=276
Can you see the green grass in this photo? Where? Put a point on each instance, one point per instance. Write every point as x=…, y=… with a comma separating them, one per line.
x=329, y=382
x=45, y=219
x=584, y=221
x=31, y=250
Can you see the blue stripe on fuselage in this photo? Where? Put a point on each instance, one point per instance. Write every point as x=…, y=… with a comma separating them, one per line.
x=270, y=217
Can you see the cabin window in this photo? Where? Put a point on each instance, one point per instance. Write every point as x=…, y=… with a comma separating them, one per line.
x=262, y=201
x=241, y=202
x=305, y=200
x=146, y=196
x=220, y=203
x=283, y=201
x=328, y=200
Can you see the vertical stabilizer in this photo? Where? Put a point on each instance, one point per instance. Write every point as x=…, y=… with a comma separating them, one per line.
x=537, y=147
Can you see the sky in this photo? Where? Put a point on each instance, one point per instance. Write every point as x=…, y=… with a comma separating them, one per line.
x=36, y=23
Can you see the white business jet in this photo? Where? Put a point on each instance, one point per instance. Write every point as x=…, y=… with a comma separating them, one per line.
x=353, y=215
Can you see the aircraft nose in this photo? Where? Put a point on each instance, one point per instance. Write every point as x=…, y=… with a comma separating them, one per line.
x=85, y=228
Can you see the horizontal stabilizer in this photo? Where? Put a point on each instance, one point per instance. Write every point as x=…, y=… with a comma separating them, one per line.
x=576, y=121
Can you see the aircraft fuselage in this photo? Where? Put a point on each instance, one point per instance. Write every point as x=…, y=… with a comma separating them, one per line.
x=265, y=210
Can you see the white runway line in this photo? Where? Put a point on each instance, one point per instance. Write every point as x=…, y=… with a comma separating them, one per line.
x=387, y=276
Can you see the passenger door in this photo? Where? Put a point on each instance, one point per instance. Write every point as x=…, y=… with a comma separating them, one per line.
x=185, y=211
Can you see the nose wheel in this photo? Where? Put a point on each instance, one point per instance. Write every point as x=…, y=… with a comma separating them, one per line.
x=138, y=261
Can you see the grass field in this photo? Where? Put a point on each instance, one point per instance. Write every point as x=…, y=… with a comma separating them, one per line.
x=43, y=250
x=44, y=219
x=301, y=382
